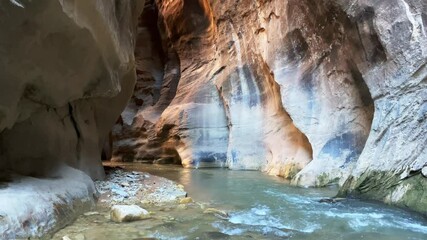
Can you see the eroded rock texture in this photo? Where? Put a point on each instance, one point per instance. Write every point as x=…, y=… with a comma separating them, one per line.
x=391, y=164
x=315, y=91
x=66, y=72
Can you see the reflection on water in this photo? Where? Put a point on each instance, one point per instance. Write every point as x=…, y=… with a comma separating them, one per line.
x=260, y=207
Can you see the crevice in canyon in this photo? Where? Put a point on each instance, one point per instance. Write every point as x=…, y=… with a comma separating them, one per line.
x=73, y=120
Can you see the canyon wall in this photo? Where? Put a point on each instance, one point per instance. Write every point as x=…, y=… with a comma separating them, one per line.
x=319, y=92
x=393, y=164
x=67, y=70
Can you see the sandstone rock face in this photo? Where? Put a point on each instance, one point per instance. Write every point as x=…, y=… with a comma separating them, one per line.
x=266, y=99
x=67, y=71
x=316, y=91
x=222, y=123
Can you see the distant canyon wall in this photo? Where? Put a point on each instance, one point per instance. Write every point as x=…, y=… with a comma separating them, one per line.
x=318, y=92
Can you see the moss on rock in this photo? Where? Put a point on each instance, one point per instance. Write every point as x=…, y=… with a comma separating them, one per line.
x=388, y=187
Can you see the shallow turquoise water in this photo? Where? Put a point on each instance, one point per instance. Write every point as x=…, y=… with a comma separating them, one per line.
x=259, y=207
x=267, y=206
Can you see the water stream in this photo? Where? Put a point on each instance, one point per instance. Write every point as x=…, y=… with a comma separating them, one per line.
x=260, y=207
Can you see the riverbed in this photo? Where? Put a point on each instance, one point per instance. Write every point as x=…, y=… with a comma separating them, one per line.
x=259, y=206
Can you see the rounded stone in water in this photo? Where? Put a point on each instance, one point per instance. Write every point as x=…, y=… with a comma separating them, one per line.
x=128, y=213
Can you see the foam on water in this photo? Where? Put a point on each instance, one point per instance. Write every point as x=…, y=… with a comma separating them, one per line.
x=158, y=235
x=256, y=216
x=262, y=217
x=416, y=227
x=291, y=198
x=357, y=218
x=230, y=230
x=371, y=219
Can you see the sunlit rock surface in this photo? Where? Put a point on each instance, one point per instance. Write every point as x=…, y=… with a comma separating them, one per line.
x=66, y=72
x=234, y=119
x=319, y=92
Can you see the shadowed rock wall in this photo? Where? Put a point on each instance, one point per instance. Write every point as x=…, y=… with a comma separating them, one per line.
x=67, y=70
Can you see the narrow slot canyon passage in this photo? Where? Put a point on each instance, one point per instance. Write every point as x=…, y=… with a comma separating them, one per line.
x=202, y=119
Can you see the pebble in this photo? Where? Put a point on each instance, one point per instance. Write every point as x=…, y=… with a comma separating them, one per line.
x=91, y=213
x=125, y=184
x=331, y=200
x=120, y=192
x=424, y=171
x=186, y=200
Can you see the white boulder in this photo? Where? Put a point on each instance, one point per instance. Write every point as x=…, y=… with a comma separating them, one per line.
x=128, y=213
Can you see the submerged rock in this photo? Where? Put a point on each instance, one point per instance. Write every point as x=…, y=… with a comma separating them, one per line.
x=186, y=200
x=331, y=200
x=424, y=171
x=182, y=207
x=80, y=237
x=91, y=213
x=128, y=213
x=215, y=235
x=217, y=212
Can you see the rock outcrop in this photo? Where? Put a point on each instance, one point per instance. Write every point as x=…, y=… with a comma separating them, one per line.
x=319, y=92
x=67, y=71
x=391, y=164
x=36, y=207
